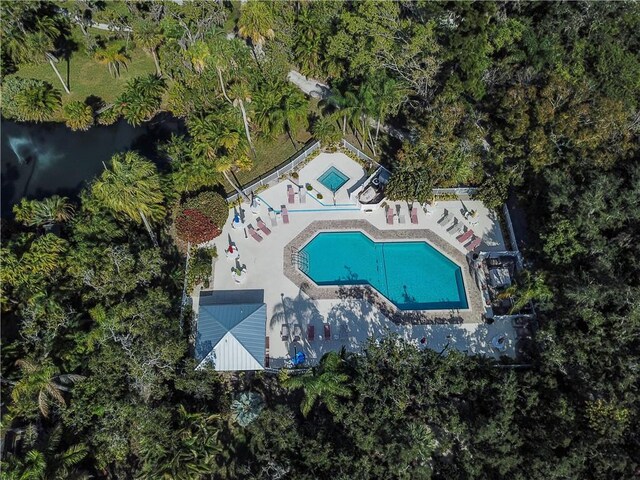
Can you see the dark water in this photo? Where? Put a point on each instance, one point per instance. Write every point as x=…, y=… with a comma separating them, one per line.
x=39, y=160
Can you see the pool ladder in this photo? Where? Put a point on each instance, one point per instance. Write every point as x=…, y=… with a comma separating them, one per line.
x=300, y=259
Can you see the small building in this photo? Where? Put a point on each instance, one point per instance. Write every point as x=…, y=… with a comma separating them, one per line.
x=231, y=337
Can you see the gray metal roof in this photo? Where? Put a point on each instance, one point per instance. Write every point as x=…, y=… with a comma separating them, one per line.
x=232, y=337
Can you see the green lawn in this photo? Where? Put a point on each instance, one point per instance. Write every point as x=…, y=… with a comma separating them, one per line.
x=270, y=154
x=88, y=77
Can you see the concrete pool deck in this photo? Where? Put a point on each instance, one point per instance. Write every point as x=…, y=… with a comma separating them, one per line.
x=290, y=298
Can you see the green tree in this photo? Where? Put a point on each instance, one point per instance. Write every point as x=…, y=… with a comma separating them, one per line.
x=326, y=130
x=256, y=23
x=44, y=213
x=141, y=98
x=326, y=383
x=41, y=386
x=149, y=36
x=131, y=187
x=78, y=115
x=114, y=56
x=280, y=108
x=36, y=102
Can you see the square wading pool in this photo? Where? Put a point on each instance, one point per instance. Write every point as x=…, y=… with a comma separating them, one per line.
x=333, y=179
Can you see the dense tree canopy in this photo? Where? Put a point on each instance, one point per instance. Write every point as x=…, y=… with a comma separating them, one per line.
x=535, y=100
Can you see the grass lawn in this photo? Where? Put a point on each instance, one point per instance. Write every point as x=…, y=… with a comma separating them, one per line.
x=88, y=77
x=270, y=154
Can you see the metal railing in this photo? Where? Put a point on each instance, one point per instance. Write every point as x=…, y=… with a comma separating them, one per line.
x=287, y=166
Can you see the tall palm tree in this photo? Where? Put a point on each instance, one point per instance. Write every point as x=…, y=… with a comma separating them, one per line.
x=79, y=115
x=114, y=56
x=389, y=94
x=280, y=108
x=219, y=138
x=530, y=288
x=131, y=187
x=344, y=104
x=44, y=213
x=149, y=36
x=295, y=109
x=36, y=46
x=308, y=45
x=43, y=383
x=256, y=23
x=326, y=130
x=325, y=383
x=241, y=93
x=37, y=103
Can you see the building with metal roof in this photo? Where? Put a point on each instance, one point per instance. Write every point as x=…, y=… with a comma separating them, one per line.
x=231, y=337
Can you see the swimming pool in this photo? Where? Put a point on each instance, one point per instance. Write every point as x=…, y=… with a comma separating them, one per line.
x=412, y=275
x=333, y=179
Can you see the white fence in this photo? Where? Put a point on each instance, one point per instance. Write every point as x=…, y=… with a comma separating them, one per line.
x=288, y=166
x=359, y=153
x=512, y=233
x=460, y=191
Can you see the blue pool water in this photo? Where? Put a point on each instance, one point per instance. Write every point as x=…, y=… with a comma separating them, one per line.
x=412, y=275
x=333, y=179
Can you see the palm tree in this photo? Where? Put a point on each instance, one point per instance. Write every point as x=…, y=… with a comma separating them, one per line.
x=36, y=46
x=326, y=130
x=389, y=94
x=114, y=56
x=530, y=288
x=219, y=137
x=308, y=44
x=131, y=187
x=323, y=383
x=149, y=37
x=79, y=115
x=192, y=453
x=198, y=55
x=246, y=408
x=280, y=108
x=345, y=103
x=141, y=98
x=295, y=109
x=256, y=23
x=44, y=213
x=241, y=93
x=37, y=103
x=43, y=383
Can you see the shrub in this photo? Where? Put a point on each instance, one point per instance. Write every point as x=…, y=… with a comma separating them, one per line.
x=210, y=204
x=78, y=115
x=294, y=175
x=309, y=187
x=109, y=116
x=319, y=196
x=193, y=226
x=200, y=267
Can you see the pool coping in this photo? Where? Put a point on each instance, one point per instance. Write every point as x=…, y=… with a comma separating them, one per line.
x=473, y=314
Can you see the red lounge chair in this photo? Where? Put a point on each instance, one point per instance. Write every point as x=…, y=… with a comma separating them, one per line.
x=290, y=193
x=263, y=227
x=327, y=331
x=465, y=236
x=254, y=234
x=311, y=332
x=285, y=214
x=414, y=215
x=474, y=244
x=389, y=216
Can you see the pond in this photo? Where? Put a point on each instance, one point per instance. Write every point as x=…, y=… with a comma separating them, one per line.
x=39, y=160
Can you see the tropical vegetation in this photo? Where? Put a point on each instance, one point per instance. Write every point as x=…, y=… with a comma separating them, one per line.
x=534, y=103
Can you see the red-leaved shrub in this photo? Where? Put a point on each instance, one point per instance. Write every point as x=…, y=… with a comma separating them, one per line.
x=193, y=226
